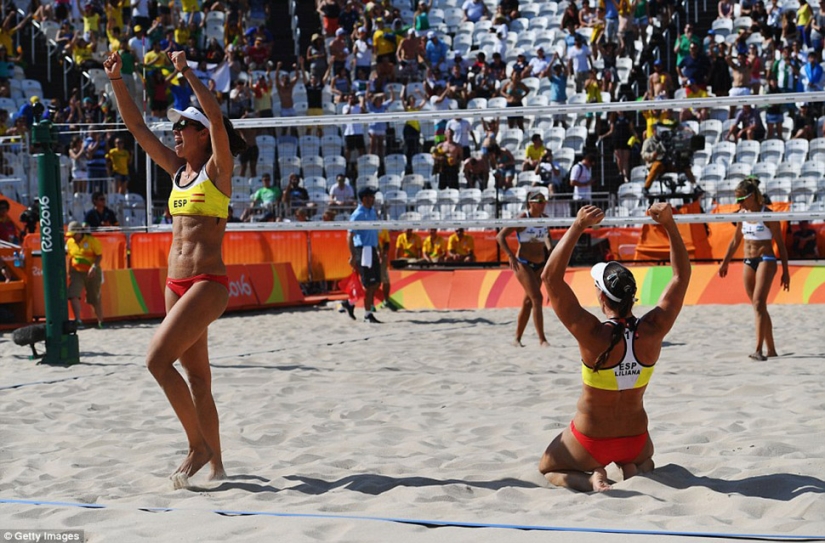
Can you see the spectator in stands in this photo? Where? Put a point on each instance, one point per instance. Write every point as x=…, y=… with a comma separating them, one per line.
x=462, y=134
x=804, y=19
x=100, y=215
x=504, y=166
x=330, y=11
x=483, y=84
x=348, y=18
x=295, y=195
x=818, y=29
x=533, y=152
x=384, y=43
x=746, y=125
x=267, y=197
x=85, y=254
x=692, y=90
x=804, y=122
x=498, y=68
x=262, y=95
x=95, y=146
x=549, y=172
x=80, y=172
x=475, y=10
x=249, y=157
x=435, y=52
x=412, y=127
x=460, y=247
x=240, y=99
x=342, y=193
x=659, y=82
x=447, y=157
x=578, y=58
x=774, y=114
x=539, y=66
x=284, y=85
x=514, y=92
x=695, y=66
x=725, y=10
x=140, y=13
x=790, y=32
x=118, y=159
x=813, y=77
x=362, y=53
x=409, y=54
x=354, y=132
x=620, y=130
x=786, y=70
x=593, y=88
x=257, y=54
x=434, y=248
x=8, y=229
x=803, y=241
x=458, y=86
x=476, y=172
x=683, y=41
x=741, y=73
x=570, y=16
x=340, y=86
x=377, y=130
x=317, y=57
x=719, y=78
x=581, y=179
x=339, y=52
x=7, y=31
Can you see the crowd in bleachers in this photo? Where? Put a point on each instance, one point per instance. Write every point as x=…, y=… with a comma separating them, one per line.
x=450, y=55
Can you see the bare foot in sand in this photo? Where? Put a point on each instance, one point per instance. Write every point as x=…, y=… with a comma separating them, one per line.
x=517, y=343
x=544, y=343
x=757, y=356
x=194, y=461
x=218, y=474
x=772, y=354
x=599, y=480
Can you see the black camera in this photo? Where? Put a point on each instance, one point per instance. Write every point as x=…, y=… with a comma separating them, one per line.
x=30, y=217
x=680, y=144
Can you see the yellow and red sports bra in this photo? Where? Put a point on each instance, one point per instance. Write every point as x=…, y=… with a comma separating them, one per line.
x=629, y=373
x=200, y=197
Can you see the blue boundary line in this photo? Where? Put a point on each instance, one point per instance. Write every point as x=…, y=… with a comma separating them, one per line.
x=439, y=523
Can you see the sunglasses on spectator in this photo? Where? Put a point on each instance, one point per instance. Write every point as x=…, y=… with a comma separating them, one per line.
x=183, y=123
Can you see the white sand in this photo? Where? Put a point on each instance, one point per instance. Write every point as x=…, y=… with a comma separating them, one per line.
x=431, y=416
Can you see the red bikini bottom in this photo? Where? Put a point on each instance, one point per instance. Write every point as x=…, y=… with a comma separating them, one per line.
x=180, y=286
x=621, y=450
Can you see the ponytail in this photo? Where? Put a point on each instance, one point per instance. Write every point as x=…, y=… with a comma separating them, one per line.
x=622, y=308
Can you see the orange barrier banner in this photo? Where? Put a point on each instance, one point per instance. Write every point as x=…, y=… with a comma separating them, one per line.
x=478, y=289
x=113, y=245
x=330, y=255
x=150, y=250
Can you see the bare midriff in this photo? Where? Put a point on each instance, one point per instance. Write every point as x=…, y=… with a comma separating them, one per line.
x=196, y=246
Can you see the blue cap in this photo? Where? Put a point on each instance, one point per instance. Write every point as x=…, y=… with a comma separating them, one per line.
x=657, y=62
x=366, y=191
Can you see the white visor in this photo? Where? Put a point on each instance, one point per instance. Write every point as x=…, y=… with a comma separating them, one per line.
x=597, y=272
x=193, y=113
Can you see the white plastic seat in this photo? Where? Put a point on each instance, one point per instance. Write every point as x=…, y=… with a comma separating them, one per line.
x=764, y=170
x=779, y=189
x=739, y=170
x=334, y=165
x=312, y=166
x=723, y=152
x=711, y=129
x=395, y=164
x=368, y=165
x=772, y=151
x=796, y=151
x=413, y=183
x=747, y=151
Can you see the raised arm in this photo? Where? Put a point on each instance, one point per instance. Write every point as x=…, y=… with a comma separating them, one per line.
x=581, y=323
x=221, y=159
x=670, y=303
x=132, y=117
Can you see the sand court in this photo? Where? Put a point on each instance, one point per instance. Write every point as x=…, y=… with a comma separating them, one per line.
x=333, y=430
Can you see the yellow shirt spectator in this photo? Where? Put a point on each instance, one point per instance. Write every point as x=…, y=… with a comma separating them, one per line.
x=434, y=248
x=119, y=159
x=462, y=246
x=383, y=46
x=91, y=22
x=114, y=13
x=81, y=53
x=534, y=152
x=804, y=14
x=190, y=6
x=82, y=254
x=408, y=245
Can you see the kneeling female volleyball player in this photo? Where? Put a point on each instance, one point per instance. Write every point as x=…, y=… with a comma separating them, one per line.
x=610, y=424
x=197, y=287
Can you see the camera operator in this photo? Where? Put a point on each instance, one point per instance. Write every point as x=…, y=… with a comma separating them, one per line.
x=661, y=155
x=30, y=219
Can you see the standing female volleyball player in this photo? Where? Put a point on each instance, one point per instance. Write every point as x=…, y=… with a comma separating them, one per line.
x=610, y=424
x=197, y=287
x=533, y=246
x=760, y=261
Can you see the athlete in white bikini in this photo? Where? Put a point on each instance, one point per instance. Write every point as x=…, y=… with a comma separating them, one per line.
x=534, y=245
x=760, y=261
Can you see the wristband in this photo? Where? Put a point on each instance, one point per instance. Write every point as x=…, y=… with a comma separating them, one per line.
x=115, y=78
x=184, y=70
